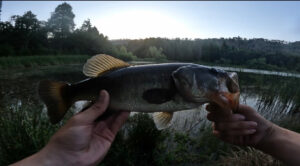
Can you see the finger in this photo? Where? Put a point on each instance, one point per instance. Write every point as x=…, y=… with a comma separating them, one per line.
x=216, y=133
x=237, y=140
x=108, y=128
x=118, y=121
x=242, y=132
x=238, y=125
x=222, y=101
x=215, y=117
x=212, y=107
x=246, y=110
x=216, y=109
x=97, y=109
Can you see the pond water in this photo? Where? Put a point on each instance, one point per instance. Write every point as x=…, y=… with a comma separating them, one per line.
x=273, y=94
x=256, y=71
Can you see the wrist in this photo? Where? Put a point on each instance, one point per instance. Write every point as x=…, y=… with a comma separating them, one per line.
x=52, y=156
x=45, y=157
x=272, y=134
x=272, y=139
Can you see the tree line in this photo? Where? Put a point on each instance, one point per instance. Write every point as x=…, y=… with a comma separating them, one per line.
x=26, y=35
x=253, y=53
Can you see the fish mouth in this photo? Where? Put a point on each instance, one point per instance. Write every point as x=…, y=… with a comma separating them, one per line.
x=226, y=100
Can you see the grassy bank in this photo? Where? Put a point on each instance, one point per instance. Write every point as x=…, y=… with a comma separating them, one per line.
x=45, y=60
x=25, y=130
x=11, y=62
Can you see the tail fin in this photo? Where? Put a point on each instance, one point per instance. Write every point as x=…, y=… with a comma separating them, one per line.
x=55, y=96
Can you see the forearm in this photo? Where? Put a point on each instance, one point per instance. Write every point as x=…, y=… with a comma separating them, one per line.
x=44, y=157
x=283, y=144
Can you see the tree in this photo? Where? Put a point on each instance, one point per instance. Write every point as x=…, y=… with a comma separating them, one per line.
x=123, y=54
x=24, y=34
x=27, y=22
x=86, y=26
x=61, y=23
x=155, y=53
x=88, y=40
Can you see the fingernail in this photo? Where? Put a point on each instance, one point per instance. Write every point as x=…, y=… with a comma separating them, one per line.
x=242, y=117
x=253, y=124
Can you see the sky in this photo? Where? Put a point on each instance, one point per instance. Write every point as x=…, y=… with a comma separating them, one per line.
x=277, y=20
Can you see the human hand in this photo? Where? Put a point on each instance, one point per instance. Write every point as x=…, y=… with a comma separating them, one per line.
x=246, y=127
x=82, y=140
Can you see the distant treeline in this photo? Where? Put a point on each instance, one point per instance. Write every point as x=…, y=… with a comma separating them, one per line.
x=26, y=35
x=253, y=53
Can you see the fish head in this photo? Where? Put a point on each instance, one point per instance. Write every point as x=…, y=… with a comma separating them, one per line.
x=201, y=84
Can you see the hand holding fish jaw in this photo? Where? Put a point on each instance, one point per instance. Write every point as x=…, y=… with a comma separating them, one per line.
x=82, y=140
x=246, y=127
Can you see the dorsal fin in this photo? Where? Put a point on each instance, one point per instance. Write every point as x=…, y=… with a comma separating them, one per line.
x=98, y=64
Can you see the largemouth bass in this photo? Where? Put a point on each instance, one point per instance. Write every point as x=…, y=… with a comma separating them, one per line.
x=160, y=88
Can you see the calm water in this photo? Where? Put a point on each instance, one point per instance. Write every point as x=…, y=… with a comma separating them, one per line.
x=273, y=94
x=256, y=71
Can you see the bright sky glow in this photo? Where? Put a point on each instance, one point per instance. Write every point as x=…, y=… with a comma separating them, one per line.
x=189, y=19
x=142, y=24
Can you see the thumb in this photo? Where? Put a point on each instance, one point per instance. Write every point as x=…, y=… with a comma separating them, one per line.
x=97, y=109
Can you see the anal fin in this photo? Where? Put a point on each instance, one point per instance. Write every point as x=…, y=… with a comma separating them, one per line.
x=162, y=119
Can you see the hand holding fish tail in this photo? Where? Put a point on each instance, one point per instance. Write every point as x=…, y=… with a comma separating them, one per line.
x=82, y=140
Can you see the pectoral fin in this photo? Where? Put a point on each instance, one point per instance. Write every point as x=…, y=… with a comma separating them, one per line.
x=162, y=119
x=158, y=95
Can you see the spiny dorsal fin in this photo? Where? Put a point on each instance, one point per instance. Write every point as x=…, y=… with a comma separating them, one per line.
x=98, y=64
x=162, y=119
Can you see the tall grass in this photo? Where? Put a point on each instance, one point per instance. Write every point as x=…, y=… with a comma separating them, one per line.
x=32, y=61
x=248, y=157
x=24, y=131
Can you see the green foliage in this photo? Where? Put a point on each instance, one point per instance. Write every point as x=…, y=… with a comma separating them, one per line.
x=123, y=54
x=32, y=61
x=139, y=144
x=24, y=131
x=7, y=50
x=26, y=35
x=202, y=148
x=61, y=22
x=88, y=40
x=251, y=53
x=155, y=53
